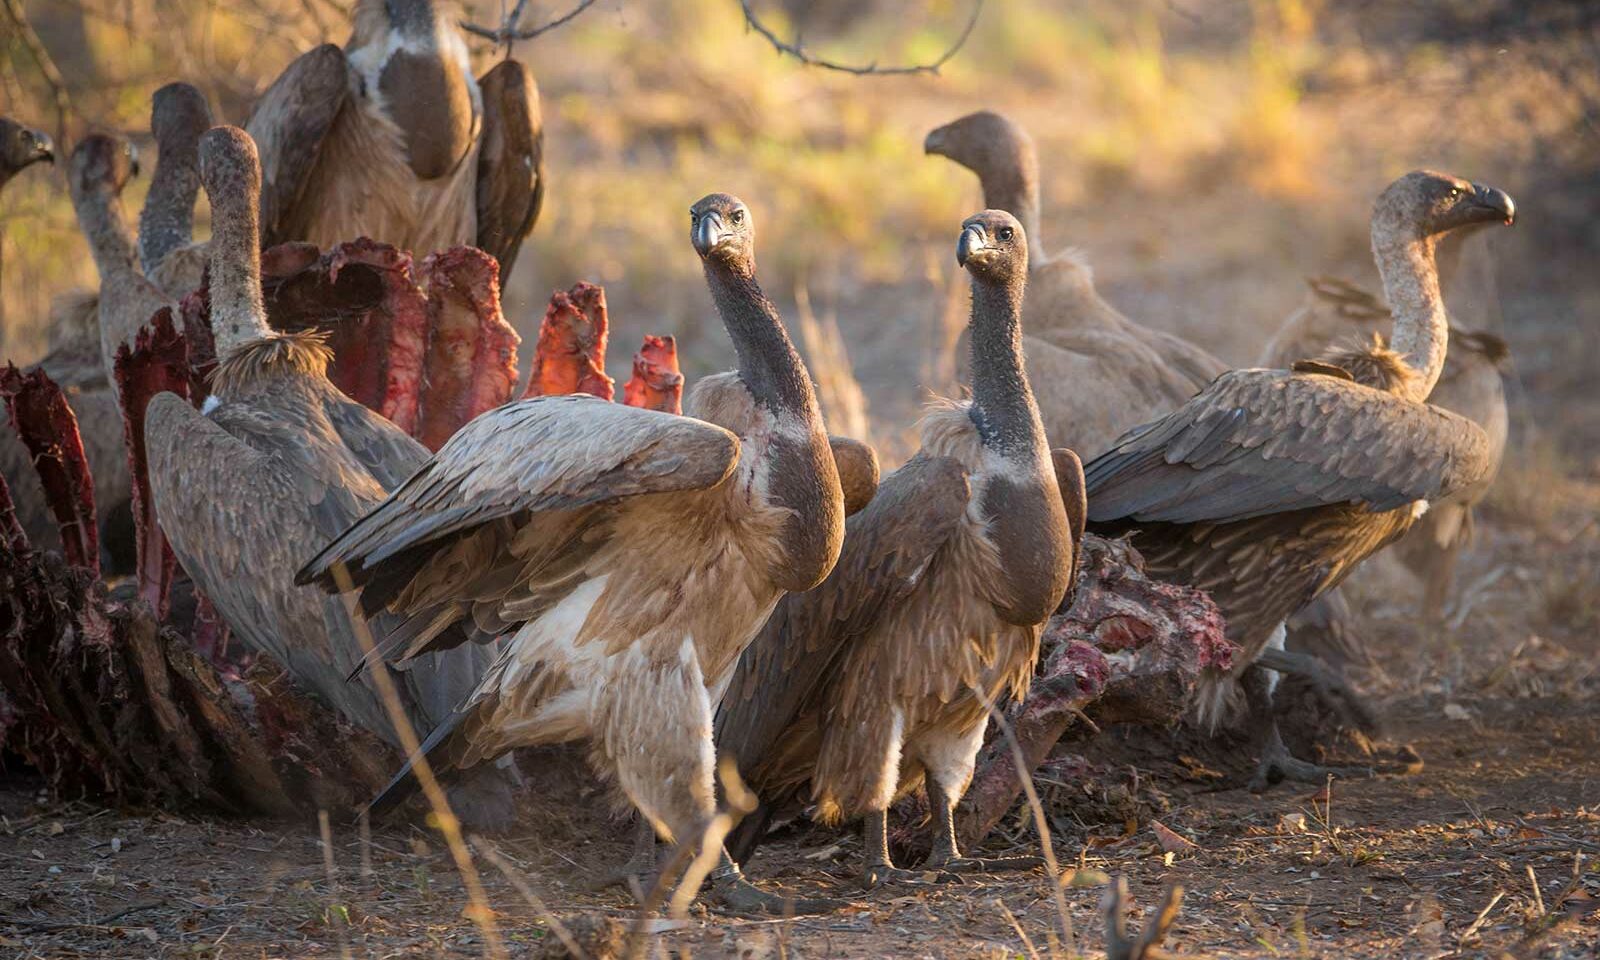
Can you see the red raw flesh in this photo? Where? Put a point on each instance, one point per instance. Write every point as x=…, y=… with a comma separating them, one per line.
x=49, y=430
x=378, y=331
x=571, y=354
x=159, y=361
x=656, y=383
x=362, y=296
x=195, y=310
x=472, y=352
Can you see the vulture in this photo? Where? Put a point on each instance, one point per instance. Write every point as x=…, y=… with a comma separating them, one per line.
x=630, y=554
x=880, y=679
x=87, y=329
x=1270, y=486
x=278, y=462
x=1334, y=314
x=393, y=138
x=21, y=148
x=1095, y=372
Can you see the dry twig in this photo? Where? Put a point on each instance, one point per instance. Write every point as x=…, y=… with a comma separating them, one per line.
x=1147, y=945
x=510, y=30
x=47, y=66
x=797, y=49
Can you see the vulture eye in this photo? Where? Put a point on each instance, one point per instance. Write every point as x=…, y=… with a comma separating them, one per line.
x=1005, y=233
x=1455, y=193
x=738, y=216
x=694, y=218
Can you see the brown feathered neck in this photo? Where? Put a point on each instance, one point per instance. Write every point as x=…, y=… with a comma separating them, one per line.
x=304, y=354
x=233, y=180
x=769, y=364
x=1003, y=406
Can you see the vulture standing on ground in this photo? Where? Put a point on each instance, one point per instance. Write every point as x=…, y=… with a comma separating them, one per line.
x=631, y=554
x=1095, y=372
x=1270, y=486
x=1335, y=315
x=392, y=138
x=879, y=679
x=279, y=462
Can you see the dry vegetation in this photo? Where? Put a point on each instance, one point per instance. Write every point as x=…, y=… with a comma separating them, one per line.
x=1206, y=154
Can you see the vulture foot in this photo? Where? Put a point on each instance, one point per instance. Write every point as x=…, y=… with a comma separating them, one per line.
x=957, y=865
x=1278, y=764
x=642, y=870
x=1330, y=686
x=734, y=893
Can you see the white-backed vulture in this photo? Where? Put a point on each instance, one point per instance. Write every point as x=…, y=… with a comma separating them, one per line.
x=880, y=679
x=1095, y=372
x=1271, y=486
x=1336, y=314
x=279, y=462
x=631, y=554
x=393, y=138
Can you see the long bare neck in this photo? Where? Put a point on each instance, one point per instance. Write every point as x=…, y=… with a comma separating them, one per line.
x=1002, y=401
x=1421, y=331
x=167, y=221
x=237, y=314
x=101, y=217
x=769, y=365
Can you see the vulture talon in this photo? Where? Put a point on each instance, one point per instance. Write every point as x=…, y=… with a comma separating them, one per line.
x=959, y=865
x=642, y=869
x=1278, y=764
x=1330, y=685
x=734, y=893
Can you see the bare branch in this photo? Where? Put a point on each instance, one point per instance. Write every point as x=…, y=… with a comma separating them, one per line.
x=47, y=67
x=798, y=51
x=508, y=32
x=1147, y=945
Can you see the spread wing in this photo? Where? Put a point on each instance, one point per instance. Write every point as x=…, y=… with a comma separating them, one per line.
x=511, y=178
x=1259, y=442
x=887, y=546
x=489, y=527
x=289, y=124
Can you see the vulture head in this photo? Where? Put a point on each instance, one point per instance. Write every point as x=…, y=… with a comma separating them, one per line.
x=722, y=232
x=1424, y=203
x=101, y=162
x=21, y=148
x=985, y=142
x=993, y=248
x=229, y=166
x=178, y=114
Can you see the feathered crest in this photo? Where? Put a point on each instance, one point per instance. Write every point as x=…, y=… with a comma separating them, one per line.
x=306, y=352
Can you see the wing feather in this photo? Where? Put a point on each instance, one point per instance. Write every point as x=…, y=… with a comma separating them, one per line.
x=511, y=175
x=289, y=124
x=1258, y=442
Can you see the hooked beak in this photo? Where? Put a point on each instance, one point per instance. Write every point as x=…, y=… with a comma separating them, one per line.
x=710, y=233
x=1496, y=202
x=971, y=243
x=43, y=149
x=934, y=143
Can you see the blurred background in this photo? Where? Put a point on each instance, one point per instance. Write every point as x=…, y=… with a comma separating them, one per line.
x=1205, y=155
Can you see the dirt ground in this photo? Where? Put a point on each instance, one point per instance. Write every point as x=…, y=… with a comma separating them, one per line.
x=1492, y=850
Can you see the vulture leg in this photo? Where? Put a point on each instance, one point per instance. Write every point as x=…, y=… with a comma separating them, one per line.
x=640, y=872
x=1277, y=763
x=944, y=792
x=879, y=868
x=730, y=889
x=1330, y=686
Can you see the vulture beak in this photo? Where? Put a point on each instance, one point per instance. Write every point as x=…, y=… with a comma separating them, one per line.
x=43, y=149
x=971, y=243
x=710, y=233
x=1496, y=203
x=934, y=143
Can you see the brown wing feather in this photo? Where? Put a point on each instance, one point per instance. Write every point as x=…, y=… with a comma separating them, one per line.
x=858, y=472
x=887, y=546
x=289, y=125
x=1258, y=442
x=383, y=448
x=1075, y=498
x=511, y=177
